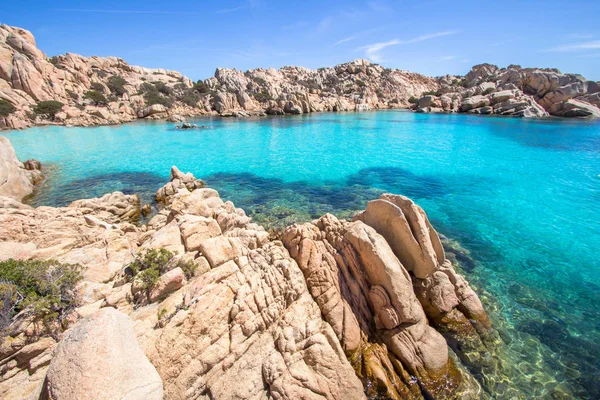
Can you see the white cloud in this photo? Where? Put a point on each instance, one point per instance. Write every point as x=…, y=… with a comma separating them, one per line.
x=593, y=45
x=372, y=50
x=344, y=40
x=229, y=10
x=125, y=11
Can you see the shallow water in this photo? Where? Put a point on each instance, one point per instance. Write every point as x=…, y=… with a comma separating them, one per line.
x=522, y=196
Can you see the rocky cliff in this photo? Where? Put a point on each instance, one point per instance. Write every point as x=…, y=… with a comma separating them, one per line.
x=336, y=309
x=74, y=90
x=514, y=91
x=96, y=90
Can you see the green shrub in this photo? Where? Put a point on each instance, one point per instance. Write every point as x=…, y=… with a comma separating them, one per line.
x=162, y=87
x=360, y=83
x=6, y=108
x=430, y=93
x=73, y=95
x=46, y=290
x=97, y=86
x=147, y=267
x=154, y=97
x=413, y=100
x=263, y=96
x=190, y=97
x=116, y=84
x=489, y=90
x=96, y=97
x=48, y=109
x=201, y=87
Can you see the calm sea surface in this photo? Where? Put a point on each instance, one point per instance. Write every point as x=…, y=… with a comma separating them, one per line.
x=523, y=196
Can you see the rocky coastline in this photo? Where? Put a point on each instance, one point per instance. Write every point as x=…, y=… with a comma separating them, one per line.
x=73, y=90
x=370, y=307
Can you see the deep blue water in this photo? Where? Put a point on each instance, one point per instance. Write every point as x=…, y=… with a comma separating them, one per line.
x=523, y=196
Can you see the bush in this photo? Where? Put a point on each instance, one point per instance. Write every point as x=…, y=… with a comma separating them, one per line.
x=147, y=267
x=190, y=97
x=97, y=86
x=154, y=97
x=360, y=83
x=44, y=289
x=201, y=87
x=6, y=108
x=430, y=93
x=95, y=96
x=413, y=100
x=162, y=87
x=489, y=90
x=263, y=96
x=48, y=109
x=72, y=94
x=116, y=84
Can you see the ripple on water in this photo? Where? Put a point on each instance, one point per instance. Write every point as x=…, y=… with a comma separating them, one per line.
x=522, y=196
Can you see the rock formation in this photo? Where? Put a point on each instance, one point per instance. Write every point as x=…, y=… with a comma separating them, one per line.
x=104, y=343
x=96, y=90
x=339, y=310
x=17, y=180
x=515, y=91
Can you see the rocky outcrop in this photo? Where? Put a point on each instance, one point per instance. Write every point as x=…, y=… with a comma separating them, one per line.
x=100, y=358
x=377, y=280
x=514, y=91
x=126, y=92
x=112, y=207
x=17, y=180
x=339, y=310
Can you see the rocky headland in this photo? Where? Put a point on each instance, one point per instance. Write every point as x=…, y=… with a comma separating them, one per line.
x=514, y=91
x=81, y=91
x=200, y=302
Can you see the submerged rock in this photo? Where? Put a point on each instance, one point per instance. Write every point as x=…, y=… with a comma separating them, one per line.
x=339, y=310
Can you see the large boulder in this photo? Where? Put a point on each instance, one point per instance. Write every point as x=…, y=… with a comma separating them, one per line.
x=99, y=358
x=16, y=181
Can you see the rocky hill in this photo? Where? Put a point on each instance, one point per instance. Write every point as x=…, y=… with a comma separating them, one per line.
x=515, y=91
x=96, y=90
x=200, y=302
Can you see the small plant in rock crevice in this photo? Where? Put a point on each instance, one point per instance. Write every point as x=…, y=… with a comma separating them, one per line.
x=148, y=266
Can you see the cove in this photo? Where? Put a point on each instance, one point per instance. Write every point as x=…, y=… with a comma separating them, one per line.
x=520, y=195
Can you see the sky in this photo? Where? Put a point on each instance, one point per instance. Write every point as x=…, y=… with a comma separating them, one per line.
x=430, y=37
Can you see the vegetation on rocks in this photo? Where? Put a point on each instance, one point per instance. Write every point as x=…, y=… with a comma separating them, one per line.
x=48, y=109
x=116, y=84
x=6, y=108
x=153, y=95
x=97, y=86
x=96, y=97
x=148, y=266
x=44, y=289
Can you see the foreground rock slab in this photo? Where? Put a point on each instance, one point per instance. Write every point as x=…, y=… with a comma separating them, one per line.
x=99, y=358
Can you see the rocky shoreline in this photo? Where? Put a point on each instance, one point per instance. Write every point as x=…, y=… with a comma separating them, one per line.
x=368, y=307
x=73, y=90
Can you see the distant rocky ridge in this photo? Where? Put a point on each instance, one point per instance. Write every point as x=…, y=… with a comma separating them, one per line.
x=336, y=310
x=514, y=91
x=121, y=92
x=100, y=91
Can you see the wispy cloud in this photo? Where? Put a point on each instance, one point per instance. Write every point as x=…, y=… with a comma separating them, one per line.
x=589, y=55
x=372, y=51
x=344, y=40
x=593, y=45
x=447, y=58
x=85, y=10
x=230, y=10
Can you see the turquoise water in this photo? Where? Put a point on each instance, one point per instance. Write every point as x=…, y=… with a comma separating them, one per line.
x=523, y=196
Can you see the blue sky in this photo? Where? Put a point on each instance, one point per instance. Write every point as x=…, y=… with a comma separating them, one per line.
x=430, y=37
